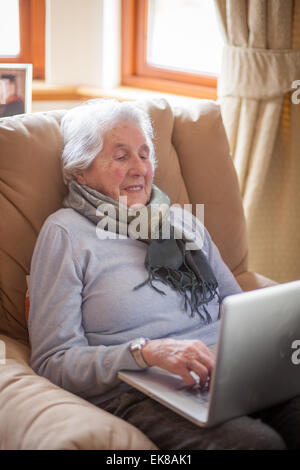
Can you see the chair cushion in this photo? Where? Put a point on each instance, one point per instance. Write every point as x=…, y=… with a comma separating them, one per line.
x=32, y=187
x=38, y=415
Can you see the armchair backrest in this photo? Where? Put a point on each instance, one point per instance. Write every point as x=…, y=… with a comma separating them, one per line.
x=194, y=167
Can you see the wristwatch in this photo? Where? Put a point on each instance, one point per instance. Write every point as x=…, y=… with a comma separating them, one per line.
x=135, y=349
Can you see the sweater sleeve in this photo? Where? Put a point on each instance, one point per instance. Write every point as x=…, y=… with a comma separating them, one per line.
x=59, y=347
x=228, y=285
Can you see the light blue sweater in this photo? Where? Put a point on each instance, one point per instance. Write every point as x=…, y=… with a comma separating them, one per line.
x=84, y=312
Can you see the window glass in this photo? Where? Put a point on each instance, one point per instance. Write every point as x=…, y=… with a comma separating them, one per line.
x=184, y=35
x=9, y=28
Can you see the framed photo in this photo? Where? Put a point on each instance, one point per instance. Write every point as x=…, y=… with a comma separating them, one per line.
x=15, y=89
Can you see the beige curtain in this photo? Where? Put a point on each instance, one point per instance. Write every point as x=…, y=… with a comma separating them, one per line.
x=261, y=60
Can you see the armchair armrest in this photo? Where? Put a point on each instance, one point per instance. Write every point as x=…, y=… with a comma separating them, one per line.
x=251, y=281
x=36, y=414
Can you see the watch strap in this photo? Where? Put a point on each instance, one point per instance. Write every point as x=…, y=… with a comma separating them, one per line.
x=136, y=351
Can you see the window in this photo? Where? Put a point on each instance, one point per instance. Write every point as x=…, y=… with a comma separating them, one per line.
x=171, y=45
x=22, y=33
x=9, y=28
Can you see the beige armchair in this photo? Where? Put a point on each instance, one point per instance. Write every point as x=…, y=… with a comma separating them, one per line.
x=195, y=166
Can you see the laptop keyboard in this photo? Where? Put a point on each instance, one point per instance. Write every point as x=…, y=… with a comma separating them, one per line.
x=196, y=393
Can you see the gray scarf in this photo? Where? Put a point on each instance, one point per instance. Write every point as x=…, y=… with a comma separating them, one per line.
x=167, y=260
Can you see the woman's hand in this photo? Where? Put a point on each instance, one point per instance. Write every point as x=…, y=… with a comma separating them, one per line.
x=180, y=357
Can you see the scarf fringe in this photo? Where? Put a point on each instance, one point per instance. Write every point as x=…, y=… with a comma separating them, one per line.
x=200, y=293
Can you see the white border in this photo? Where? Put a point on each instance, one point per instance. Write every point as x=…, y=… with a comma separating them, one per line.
x=28, y=81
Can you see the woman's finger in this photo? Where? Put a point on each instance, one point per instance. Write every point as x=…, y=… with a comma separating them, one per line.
x=206, y=360
x=204, y=349
x=187, y=377
x=199, y=369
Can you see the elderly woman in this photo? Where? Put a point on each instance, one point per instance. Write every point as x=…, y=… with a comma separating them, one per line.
x=105, y=298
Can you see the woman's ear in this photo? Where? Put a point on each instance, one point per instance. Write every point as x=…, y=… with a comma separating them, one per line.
x=79, y=176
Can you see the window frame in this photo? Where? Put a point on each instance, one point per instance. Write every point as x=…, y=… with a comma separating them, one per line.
x=137, y=73
x=32, y=37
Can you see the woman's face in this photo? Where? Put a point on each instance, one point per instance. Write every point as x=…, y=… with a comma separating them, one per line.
x=123, y=167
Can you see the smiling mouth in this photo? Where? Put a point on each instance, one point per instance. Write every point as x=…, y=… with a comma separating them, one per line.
x=134, y=188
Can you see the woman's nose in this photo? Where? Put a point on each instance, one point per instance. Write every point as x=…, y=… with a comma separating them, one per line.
x=137, y=165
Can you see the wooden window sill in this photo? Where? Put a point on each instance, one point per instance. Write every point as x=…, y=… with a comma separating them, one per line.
x=44, y=92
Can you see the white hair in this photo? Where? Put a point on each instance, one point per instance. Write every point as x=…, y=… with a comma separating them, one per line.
x=84, y=126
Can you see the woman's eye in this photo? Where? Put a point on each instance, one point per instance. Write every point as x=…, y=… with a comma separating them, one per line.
x=121, y=157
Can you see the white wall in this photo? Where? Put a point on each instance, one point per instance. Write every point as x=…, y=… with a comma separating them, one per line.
x=83, y=42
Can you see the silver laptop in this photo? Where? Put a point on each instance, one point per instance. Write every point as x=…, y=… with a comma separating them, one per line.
x=255, y=360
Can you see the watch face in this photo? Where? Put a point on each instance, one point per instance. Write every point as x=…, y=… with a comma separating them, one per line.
x=137, y=344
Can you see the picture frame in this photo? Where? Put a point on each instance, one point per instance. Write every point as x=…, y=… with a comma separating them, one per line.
x=15, y=89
